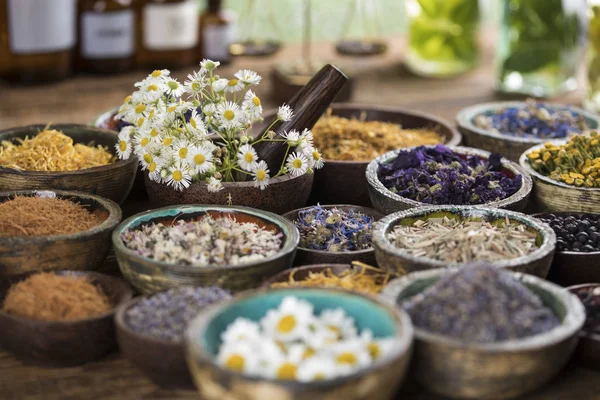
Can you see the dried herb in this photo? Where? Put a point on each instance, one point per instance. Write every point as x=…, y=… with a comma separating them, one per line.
x=438, y=175
x=464, y=240
x=481, y=304
x=575, y=233
x=590, y=297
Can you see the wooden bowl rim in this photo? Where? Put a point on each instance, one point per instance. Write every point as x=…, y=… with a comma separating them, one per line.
x=113, y=209
x=579, y=254
x=311, y=267
x=583, y=334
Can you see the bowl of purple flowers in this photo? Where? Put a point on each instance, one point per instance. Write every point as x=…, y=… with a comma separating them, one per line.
x=446, y=175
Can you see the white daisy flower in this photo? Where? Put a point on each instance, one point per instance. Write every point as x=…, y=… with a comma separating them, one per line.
x=242, y=329
x=378, y=348
x=285, y=113
x=147, y=156
x=195, y=83
x=200, y=158
x=208, y=65
x=214, y=185
x=182, y=150
x=339, y=323
x=219, y=85
x=135, y=112
x=248, y=77
x=247, y=157
x=196, y=124
x=154, y=169
x=286, y=367
x=315, y=160
x=317, y=368
x=252, y=103
x=290, y=321
x=292, y=137
x=234, y=86
x=229, y=112
x=297, y=164
x=238, y=357
x=174, y=87
x=349, y=355
x=160, y=74
x=209, y=109
x=141, y=140
x=306, y=139
x=261, y=175
x=179, y=176
x=123, y=145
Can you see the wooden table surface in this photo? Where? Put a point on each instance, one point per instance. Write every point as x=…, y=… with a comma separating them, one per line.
x=380, y=80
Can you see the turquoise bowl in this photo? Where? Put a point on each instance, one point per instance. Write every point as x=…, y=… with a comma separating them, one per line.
x=377, y=382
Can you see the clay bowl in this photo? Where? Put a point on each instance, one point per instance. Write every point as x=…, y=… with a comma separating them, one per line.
x=510, y=147
x=393, y=259
x=78, y=251
x=306, y=256
x=378, y=382
x=550, y=195
x=113, y=181
x=499, y=370
x=149, y=276
x=64, y=343
x=587, y=352
x=573, y=267
x=387, y=202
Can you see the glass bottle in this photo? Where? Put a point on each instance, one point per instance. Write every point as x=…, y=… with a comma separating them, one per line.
x=167, y=33
x=537, y=53
x=362, y=15
x=442, y=36
x=264, y=41
x=36, y=39
x=217, y=32
x=106, y=36
x=592, y=97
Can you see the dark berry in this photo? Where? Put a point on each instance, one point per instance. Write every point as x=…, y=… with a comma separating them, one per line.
x=592, y=229
x=576, y=245
x=582, y=226
x=551, y=217
x=587, y=248
x=571, y=228
x=595, y=237
x=582, y=237
x=570, y=238
x=560, y=245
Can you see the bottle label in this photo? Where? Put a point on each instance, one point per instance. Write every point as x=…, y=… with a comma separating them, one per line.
x=107, y=35
x=37, y=27
x=171, y=26
x=217, y=40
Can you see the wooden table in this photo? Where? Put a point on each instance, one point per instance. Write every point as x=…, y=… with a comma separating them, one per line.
x=380, y=80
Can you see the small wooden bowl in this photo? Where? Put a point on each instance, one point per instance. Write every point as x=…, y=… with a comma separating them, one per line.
x=78, y=251
x=587, y=352
x=306, y=256
x=499, y=370
x=549, y=195
x=64, y=343
x=387, y=202
x=391, y=258
x=510, y=147
x=377, y=382
x=149, y=276
x=113, y=181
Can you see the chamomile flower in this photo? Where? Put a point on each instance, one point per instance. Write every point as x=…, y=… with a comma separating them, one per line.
x=239, y=357
x=160, y=74
x=240, y=330
x=292, y=137
x=135, y=112
x=261, y=175
x=305, y=140
x=297, y=164
x=234, y=86
x=200, y=158
x=141, y=140
x=123, y=146
x=248, y=77
x=252, y=103
x=219, y=85
x=378, y=348
x=247, y=157
x=195, y=83
x=315, y=160
x=317, y=368
x=154, y=169
x=196, y=122
x=229, y=113
x=179, y=176
x=286, y=367
x=181, y=150
x=173, y=87
x=209, y=109
x=290, y=321
x=214, y=185
x=148, y=156
x=207, y=65
x=339, y=323
x=349, y=355
x=285, y=113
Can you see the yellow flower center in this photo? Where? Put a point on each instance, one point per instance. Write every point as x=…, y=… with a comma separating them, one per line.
x=286, y=324
x=173, y=85
x=287, y=371
x=316, y=155
x=177, y=175
x=346, y=358
x=126, y=99
x=168, y=141
x=148, y=158
x=261, y=174
x=156, y=73
x=297, y=163
x=256, y=101
x=228, y=115
x=319, y=376
x=249, y=157
x=335, y=330
x=140, y=122
x=374, y=349
x=153, y=132
x=235, y=362
x=152, y=167
x=171, y=109
x=193, y=123
x=145, y=142
x=232, y=82
x=196, y=86
x=140, y=108
x=199, y=159
x=123, y=145
x=183, y=152
x=308, y=353
x=152, y=88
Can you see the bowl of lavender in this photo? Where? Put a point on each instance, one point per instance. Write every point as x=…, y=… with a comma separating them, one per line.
x=443, y=175
x=455, y=236
x=482, y=332
x=235, y=248
x=588, y=349
x=334, y=234
x=510, y=128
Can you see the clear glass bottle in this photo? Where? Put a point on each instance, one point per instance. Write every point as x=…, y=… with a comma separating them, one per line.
x=260, y=32
x=538, y=50
x=36, y=39
x=217, y=32
x=363, y=17
x=592, y=96
x=443, y=36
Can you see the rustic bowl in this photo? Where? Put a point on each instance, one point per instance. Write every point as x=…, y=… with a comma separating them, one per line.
x=64, y=343
x=113, y=181
x=573, y=267
x=550, y=195
x=306, y=256
x=587, y=352
x=499, y=370
x=149, y=276
x=510, y=147
x=77, y=251
x=378, y=382
x=391, y=258
x=387, y=202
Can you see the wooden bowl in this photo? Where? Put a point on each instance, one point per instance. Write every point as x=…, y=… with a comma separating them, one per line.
x=549, y=195
x=587, y=352
x=391, y=258
x=510, y=147
x=149, y=276
x=378, y=382
x=499, y=370
x=77, y=251
x=387, y=202
x=64, y=343
x=306, y=256
x=113, y=181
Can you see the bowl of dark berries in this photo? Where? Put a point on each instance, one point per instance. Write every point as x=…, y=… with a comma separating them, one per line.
x=512, y=127
x=446, y=175
x=334, y=234
x=588, y=348
x=577, y=256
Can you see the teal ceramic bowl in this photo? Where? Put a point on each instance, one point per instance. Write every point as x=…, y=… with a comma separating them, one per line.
x=378, y=382
x=150, y=276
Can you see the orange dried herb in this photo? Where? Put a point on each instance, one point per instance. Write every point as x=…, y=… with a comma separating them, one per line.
x=50, y=297
x=36, y=216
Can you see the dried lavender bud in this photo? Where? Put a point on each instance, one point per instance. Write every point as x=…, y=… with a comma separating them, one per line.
x=166, y=315
x=334, y=229
x=481, y=304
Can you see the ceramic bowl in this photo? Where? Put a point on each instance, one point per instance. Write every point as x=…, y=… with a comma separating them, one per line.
x=509, y=146
x=77, y=251
x=305, y=256
x=550, y=195
x=573, y=267
x=499, y=370
x=587, y=352
x=391, y=258
x=378, y=382
x=387, y=202
x=64, y=343
x=149, y=276
x=113, y=181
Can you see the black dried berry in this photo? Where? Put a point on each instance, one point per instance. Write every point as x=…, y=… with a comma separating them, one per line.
x=582, y=237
